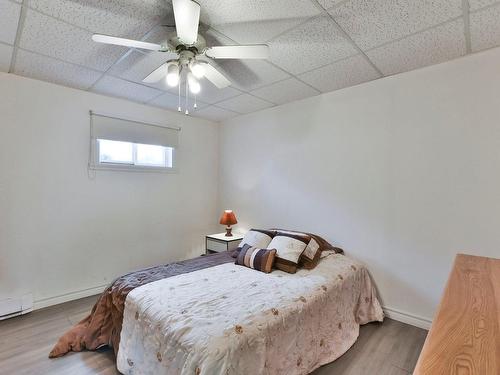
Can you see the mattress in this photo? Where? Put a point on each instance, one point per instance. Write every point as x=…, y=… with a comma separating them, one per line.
x=229, y=319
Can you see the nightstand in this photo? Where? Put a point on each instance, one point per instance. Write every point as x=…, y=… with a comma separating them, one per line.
x=216, y=243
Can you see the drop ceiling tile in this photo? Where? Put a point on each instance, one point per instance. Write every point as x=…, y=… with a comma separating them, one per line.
x=244, y=104
x=129, y=19
x=215, y=113
x=160, y=34
x=248, y=75
x=429, y=47
x=327, y=4
x=311, y=45
x=9, y=17
x=349, y=72
x=285, y=91
x=5, y=57
x=213, y=37
x=211, y=94
x=54, y=38
x=478, y=4
x=372, y=23
x=255, y=21
x=123, y=89
x=136, y=66
x=485, y=28
x=171, y=101
x=167, y=101
x=32, y=65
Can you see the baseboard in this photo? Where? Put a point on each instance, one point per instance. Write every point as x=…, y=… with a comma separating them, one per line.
x=405, y=317
x=46, y=302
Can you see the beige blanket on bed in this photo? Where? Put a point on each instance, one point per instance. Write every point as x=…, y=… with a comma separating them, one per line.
x=229, y=319
x=104, y=323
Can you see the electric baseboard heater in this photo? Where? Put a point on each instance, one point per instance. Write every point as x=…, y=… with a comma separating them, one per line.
x=16, y=306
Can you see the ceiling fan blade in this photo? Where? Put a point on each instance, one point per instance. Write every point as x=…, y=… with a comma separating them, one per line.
x=187, y=18
x=157, y=74
x=216, y=77
x=259, y=51
x=106, y=39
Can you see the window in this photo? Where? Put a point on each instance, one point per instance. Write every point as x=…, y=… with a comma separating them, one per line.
x=116, y=152
x=121, y=154
x=155, y=156
x=131, y=145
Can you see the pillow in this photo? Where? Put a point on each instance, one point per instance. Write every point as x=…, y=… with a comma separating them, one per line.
x=326, y=253
x=289, y=247
x=256, y=258
x=315, y=245
x=257, y=238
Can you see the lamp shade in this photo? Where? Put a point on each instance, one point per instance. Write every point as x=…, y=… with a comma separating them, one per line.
x=228, y=218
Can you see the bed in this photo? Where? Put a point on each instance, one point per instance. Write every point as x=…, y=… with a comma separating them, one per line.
x=210, y=316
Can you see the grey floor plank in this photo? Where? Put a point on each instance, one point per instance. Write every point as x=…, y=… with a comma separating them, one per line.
x=389, y=348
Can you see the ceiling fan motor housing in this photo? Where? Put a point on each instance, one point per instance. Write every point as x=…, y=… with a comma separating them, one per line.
x=178, y=45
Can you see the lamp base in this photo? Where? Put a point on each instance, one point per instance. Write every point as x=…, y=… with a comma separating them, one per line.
x=228, y=232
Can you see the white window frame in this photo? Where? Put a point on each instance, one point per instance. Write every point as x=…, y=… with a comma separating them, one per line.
x=95, y=164
x=127, y=167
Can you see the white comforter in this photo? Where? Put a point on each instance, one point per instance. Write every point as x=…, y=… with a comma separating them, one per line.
x=229, y=319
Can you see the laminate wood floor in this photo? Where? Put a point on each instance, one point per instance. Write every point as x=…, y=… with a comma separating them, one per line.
x=390, y=348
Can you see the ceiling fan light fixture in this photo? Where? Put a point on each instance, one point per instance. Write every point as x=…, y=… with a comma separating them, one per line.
x=172, y=75
x=197, y=69
x=194, y=85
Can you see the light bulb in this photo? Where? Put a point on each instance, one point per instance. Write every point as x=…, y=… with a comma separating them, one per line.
x=173, y=75
x=194, y=85
x=197, y=69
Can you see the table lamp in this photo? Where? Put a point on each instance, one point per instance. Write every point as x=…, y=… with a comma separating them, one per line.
x=228, y=218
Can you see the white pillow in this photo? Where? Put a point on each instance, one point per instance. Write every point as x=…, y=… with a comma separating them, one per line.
x=256, y=238
x=326, y=253
x=287, y=247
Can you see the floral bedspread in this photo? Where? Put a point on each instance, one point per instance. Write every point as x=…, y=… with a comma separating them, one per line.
x=229, y=319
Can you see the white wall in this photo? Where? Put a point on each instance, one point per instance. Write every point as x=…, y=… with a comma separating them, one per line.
x=63, y=232
x=402, y=173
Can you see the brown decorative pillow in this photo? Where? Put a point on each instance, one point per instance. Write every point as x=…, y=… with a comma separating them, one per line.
x=315, y=245
x=285, y=265
x=258, y=259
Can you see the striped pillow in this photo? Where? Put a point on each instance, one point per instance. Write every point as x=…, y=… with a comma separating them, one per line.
x=258, y=259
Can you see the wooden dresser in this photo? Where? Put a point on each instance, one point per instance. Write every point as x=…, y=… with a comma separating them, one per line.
x=465, y=335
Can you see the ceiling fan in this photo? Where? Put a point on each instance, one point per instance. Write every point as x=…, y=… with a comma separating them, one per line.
x=188, y=50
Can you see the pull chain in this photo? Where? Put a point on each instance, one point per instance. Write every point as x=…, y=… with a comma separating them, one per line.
x=179, y=106
x=187, y=87
x=195, y=105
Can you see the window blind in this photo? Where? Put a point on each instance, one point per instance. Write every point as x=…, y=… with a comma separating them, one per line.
x=118, y=129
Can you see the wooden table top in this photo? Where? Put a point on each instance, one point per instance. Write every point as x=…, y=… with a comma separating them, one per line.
x=465, y=335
